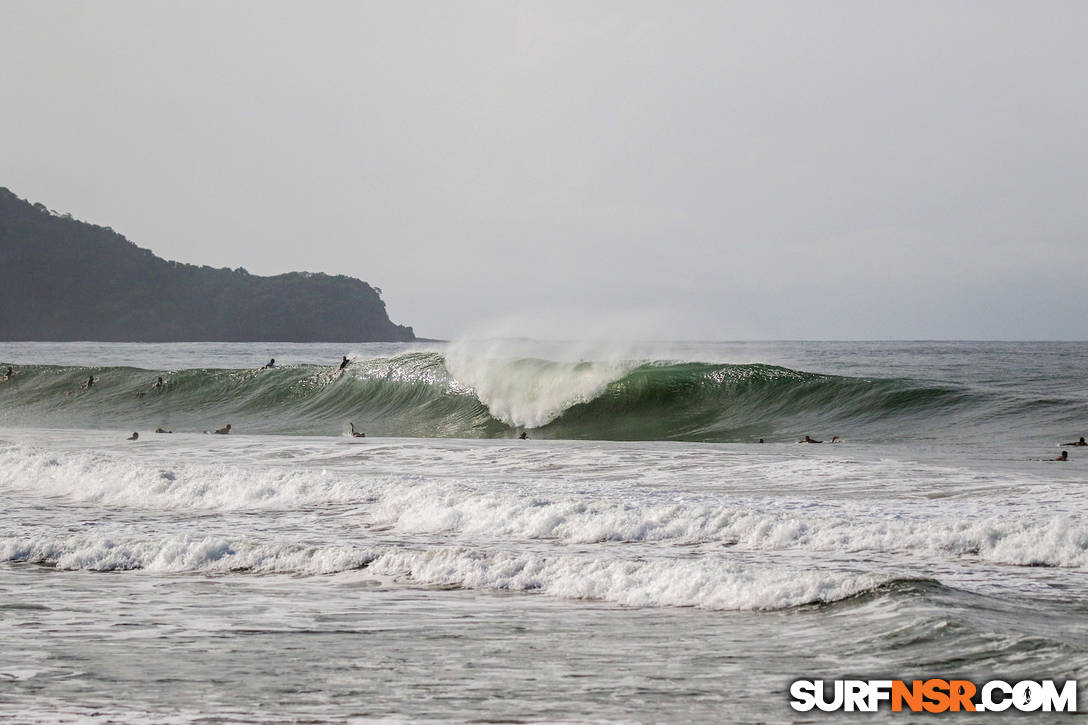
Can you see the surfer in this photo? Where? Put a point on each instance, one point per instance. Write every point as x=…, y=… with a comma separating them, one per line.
x=1081, y=442
x=161, y=430
x=344, y=362
x=87, y=385
x=806, y=439
x=271, y=364
x=224, y=430
x=355, y=433
x=1063, y=457
x=159, y=384
x=133, y=437
x=524, y=436
x=8, y=374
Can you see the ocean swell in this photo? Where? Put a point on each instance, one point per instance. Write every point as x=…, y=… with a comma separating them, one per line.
x=424, y=394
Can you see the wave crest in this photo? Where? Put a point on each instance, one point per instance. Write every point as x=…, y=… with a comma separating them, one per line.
x=479, y=395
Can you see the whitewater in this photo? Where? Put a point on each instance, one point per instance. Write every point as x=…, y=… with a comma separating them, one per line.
x=659, y=547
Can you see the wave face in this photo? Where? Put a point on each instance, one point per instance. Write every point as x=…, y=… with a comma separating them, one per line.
x=421, y=394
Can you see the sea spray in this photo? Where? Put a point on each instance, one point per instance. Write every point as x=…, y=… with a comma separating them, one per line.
x=529, y=392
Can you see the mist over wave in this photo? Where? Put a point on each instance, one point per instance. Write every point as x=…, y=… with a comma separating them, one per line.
x=523, y=390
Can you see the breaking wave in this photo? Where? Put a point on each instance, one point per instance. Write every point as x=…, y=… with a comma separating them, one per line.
x=421, y=394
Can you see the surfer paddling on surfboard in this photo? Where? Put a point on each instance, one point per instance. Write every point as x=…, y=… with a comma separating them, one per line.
x=1081, y=442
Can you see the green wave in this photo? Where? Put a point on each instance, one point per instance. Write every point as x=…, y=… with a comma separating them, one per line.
x=415, y=395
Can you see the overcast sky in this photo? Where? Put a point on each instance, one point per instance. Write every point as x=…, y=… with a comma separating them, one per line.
x=689, y=170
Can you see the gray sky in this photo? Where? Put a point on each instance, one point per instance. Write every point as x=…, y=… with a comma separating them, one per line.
x=681, y=170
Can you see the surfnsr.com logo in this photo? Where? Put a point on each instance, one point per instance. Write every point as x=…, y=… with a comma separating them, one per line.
x=933, y=695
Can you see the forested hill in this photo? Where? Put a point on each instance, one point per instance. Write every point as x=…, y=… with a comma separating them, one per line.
x=63, y=279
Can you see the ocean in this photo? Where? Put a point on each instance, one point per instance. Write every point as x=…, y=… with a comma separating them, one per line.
x=659, y=548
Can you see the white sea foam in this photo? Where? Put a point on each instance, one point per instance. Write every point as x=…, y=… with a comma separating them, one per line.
x=207, y=554
x=719, y=581
x=523, y=388
x=475, y=511
x=770, y=526
x=117, y=480
x=708, y=583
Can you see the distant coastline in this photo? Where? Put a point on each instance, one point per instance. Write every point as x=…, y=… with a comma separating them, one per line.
x=62, y=279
